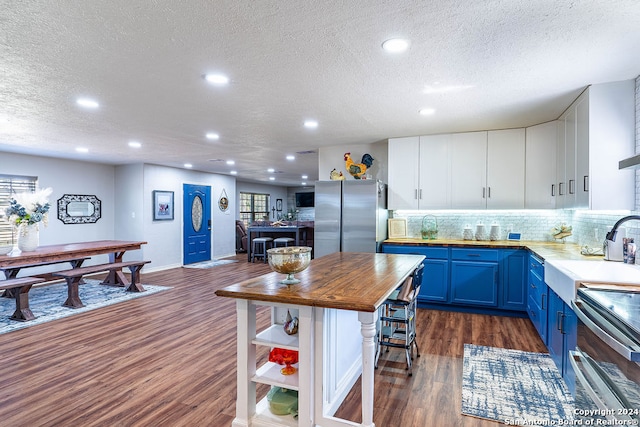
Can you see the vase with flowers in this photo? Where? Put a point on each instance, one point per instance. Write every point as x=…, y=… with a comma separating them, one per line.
x=26, y=211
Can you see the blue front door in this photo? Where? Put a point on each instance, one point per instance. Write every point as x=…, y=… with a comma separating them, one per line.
x=197, y=223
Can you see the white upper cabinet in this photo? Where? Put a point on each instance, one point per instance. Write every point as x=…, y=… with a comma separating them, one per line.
x=610, y=120
x=469, y=170
x=419, y=172
x=560, y=188
x=540, y=166
x=581, y=185
x=435, y=179
x=404, y=173
x=566, y=164
x=505, y=169
x=598, y=132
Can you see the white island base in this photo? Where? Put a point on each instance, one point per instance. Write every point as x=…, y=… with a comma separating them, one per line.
x=321, y=386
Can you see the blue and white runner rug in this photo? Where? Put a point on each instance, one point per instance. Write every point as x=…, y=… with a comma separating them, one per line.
x=513, y=387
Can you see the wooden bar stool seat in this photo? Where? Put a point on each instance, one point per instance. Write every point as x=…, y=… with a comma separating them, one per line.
x=259, y=247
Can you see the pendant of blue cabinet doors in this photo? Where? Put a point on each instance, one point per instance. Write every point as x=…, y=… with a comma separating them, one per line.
x=563, y=337
x=435, y=276
x=474, y=277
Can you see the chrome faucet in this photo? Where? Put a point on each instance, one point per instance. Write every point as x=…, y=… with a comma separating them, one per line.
x=614, y=252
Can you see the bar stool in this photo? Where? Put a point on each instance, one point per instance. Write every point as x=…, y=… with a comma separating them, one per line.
x=259, y=247
x=397, y=321
x=284, y=241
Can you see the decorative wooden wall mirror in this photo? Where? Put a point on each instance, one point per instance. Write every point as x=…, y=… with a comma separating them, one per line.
x=79, y=209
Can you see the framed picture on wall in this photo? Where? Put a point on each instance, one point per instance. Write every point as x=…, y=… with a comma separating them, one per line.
x=162, y=205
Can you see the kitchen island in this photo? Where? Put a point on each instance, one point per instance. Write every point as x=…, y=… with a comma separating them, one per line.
x=357, y=282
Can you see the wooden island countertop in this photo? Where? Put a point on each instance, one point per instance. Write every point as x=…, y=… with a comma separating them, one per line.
x=342, y=280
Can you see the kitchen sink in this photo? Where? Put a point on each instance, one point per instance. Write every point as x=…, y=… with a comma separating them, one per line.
x=563, y=276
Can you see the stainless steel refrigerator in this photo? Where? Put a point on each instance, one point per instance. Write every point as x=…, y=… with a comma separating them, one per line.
x=350, y=216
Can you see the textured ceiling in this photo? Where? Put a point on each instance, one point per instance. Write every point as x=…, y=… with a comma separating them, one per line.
x=144, y=61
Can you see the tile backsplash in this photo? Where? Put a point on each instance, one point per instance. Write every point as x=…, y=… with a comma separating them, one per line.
x=589, y=227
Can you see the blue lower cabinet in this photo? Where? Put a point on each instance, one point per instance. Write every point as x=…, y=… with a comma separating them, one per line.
x=514, y=273
x=538, y=317
x=435, y=277
x=483, y=279
x=474, y=276
x=562, y=337
x=474, y=283
x=435, y=281
x=538, y=300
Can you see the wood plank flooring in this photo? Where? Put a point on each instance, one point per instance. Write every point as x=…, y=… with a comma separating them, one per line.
x=169, y=360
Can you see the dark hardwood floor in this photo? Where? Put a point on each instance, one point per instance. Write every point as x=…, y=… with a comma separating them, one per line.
x=169, y=360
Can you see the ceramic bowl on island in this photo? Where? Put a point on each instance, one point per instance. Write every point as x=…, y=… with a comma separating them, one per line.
x=289, y=260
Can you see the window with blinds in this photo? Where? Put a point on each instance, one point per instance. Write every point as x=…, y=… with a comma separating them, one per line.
x=10, y=185
x=254, y=207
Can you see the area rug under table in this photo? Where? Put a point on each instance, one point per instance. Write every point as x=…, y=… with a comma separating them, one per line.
x=211, y=263
x=512, y=386
x=46, y=302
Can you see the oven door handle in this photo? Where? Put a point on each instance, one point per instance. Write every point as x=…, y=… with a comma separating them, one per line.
x=606, y=331
x=590, y=376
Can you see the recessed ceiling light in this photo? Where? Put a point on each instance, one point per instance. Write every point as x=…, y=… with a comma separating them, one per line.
x=87, y=103
x=234, y=172
x=82, y=150
x=212, y=136
x=188, y=165
x=231, y=162
x=217, y=79
x=290, y=157
x=304, y=183
x=271, y=170
x=310, y=124
x=305, y=177
x=135, y=144
x=395, y=45
x=427, y=111
x=272, y=178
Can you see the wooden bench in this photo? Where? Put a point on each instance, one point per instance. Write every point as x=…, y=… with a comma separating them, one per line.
x=22, y=286
x=11, y=272
x=74, y=276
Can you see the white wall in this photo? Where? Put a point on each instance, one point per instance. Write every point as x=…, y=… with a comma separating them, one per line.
x=69, y=177
x=126, y=196
x=164, y=238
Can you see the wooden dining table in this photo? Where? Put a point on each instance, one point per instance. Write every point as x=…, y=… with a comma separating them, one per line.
x=74, y=253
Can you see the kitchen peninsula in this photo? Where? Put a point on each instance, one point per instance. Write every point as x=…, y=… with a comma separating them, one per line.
x=357, y=282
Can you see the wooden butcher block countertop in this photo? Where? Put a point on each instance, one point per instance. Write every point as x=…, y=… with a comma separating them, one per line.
x=545, y=250
x=342, y=280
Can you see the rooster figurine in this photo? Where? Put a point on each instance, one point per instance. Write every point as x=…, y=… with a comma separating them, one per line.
x=357, y=170
x=334, y=175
